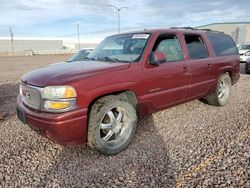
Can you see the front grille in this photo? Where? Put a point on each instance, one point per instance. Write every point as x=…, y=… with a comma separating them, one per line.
x=31, y=96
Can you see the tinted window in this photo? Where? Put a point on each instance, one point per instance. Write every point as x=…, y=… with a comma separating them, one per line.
x=223, y=44
x=170, y=46
x=196, y=47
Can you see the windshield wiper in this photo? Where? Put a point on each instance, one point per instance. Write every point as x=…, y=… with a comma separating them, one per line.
x=110, y=59
x=114, y=60
x=88, y=58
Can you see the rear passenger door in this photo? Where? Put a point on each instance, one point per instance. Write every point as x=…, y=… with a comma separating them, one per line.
x=200, y=66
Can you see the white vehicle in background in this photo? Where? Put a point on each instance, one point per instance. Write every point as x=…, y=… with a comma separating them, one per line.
x=244, y=51
x=79, y=56
x=247, y=65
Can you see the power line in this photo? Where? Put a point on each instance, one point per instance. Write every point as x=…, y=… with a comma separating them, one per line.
x=12, y=40
x=78, y=33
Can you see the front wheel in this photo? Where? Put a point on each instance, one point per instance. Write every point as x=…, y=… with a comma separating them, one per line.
x=112, y=125
x=221, y=95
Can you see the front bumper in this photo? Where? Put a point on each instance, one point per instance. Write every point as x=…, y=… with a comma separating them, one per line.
x=67, y=129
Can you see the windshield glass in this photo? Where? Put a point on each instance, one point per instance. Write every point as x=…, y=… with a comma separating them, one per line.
x=244, y=47
x=122, y=48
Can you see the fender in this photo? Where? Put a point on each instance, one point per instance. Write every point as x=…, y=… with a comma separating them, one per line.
x=225, y=69
x=109, y=89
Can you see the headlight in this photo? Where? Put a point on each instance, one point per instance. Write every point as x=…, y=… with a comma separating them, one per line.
x=58, y=92
x=59, y=98
x=247, y=53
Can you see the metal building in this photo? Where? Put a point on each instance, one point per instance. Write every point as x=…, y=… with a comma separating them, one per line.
x=239, y=31
x=22, y=45
x=85, y=45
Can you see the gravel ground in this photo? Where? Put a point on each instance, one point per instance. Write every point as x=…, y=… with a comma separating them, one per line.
x=190, y=145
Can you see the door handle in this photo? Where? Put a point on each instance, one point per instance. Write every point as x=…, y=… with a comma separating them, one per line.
x=209, y=65
x=185, y=69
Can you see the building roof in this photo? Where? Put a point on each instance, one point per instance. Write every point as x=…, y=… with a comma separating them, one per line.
x=223, y=23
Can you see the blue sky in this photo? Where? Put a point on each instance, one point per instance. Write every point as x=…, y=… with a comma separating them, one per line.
x=58, y=18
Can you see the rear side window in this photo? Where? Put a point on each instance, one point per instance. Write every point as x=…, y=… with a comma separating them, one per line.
x=196, y=47
x=222, y=44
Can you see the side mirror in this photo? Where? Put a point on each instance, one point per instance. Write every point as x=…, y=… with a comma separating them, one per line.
x=157, y=57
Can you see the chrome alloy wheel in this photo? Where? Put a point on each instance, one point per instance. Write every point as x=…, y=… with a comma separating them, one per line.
x=223, y=90
x=114, y=127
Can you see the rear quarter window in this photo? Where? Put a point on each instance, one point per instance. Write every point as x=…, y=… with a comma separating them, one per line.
x=222, y=44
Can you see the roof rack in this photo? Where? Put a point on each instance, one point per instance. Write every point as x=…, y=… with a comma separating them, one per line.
x=195, y=29
x=189, y=28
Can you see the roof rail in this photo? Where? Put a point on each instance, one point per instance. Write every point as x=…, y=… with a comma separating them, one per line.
x=190, y=28
x=195, y=29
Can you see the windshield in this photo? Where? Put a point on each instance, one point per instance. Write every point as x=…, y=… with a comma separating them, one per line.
x=244, y=47
x=81, y=55
x=122, y=48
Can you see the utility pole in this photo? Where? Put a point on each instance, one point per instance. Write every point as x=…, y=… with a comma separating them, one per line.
x=118, y=14
x=12, y=40
x=78, y=33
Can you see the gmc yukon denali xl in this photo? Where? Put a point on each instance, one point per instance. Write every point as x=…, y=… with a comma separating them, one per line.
x=99, y=100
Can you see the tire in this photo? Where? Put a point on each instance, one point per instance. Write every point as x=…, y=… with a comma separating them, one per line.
x=246, y=69
x=221, y=95
x=112, y=125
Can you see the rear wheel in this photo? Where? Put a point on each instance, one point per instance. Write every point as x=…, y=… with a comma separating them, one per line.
x=112, y=125
x=221, y=95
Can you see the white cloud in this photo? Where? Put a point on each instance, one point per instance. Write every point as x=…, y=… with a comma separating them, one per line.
x=53, y=17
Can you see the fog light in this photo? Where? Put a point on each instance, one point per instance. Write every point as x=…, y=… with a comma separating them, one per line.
x=57, y=105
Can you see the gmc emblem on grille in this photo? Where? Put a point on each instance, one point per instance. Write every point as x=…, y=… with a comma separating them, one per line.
x=26, y=94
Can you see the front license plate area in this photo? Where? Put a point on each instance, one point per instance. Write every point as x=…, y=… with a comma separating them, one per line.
x=21, y=115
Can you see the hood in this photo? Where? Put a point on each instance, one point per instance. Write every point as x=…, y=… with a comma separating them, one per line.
x=241, y=52
x=63, y=73
x=57, y=63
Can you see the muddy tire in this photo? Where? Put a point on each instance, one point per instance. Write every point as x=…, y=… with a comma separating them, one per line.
x=221, y=95
x=112, y=125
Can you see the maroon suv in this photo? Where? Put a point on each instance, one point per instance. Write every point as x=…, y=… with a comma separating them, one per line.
x=98, y=101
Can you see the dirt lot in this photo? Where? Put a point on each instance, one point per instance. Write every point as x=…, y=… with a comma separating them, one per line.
x=190, y=145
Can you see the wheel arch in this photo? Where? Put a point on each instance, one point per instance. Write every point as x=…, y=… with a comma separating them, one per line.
x=226, y=70
x=127, y=94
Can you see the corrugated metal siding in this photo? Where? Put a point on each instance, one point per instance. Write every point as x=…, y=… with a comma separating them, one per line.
x=23, y=45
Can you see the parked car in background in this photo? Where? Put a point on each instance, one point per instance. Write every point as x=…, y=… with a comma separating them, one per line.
x=80, y=56
x=247, y=66
x=243, y=51
x=99, y=101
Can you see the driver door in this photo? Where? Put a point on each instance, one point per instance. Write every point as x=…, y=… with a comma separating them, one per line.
x=167, y=83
